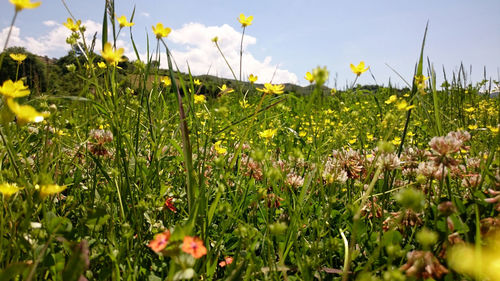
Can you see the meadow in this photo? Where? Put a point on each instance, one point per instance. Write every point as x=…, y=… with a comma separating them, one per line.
x=121, y=170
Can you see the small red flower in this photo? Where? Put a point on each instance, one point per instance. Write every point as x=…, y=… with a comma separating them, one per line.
x=170, y=205
x=226, y=261
x=160, y=241
x=194, y=247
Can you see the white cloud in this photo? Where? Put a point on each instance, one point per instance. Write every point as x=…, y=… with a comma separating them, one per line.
x=53, y=43
x=200, y=52
x=192, y=44
x=145, y=14
x=50, y=23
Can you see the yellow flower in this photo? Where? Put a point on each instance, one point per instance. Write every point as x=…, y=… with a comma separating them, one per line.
x=272, y=89
x=359, y=69
x=71, y=25
x=396, y=141
x=493, y=129
x=309, y=77
x=420, y=82
x=268, y=134
x=14, y=89
x=225, y=90
x=245, y=21
x=482, y=264
x=391, y=99
x=166, y=81
x=244, y=103
x=18, y=57
x=123, y=22
x=113, y=57
x=49, y=189
x=9, y=189
x=420, y=79
x=197, y=82
x=161, y=31
x=25, y=113
x=352, y=141
x=252, y=78
x=472, y=127
x=369, y=136
x=404, y=106
x=199, y=99
x=215, y=39
x=24, y=4
x=470, y=109
x=101, y=65
x=220, y=149
x=333, y=91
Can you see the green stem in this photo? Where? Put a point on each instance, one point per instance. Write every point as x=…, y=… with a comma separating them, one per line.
x=224, y=57
x=10, y=31
x=241, y=49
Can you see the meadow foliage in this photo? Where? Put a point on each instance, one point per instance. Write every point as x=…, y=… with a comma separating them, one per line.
x=113, y=168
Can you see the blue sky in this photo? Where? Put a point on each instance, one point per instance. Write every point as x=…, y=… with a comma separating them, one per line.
x=292, y=36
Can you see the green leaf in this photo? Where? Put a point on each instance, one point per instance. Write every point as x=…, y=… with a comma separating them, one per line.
x=184, y=274
x=13, y=270
x=105, y=25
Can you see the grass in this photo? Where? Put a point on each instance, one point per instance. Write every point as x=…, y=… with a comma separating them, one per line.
x=153, y=184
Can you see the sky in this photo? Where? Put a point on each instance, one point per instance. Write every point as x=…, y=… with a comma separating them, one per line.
x=287, y=37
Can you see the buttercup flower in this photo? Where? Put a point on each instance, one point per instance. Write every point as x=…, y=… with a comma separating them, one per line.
x=359, y=69
x=123, y=22
x=25, y=113
x=14, y=89
x=9, y=189
x=268, y=134
x=309, y=77
x=199, y=99
x=391, y=99
x=272, y=89
x=194, y=247
x=404, y=106
x=71, y=25
x=166, y=81
x=420, y=82
x=160, y=241
x=24, y=4
x=225, y=90
x=113, y=57
x=333, y=91
x=245, y=21
x=18, y=57
x=252, y=78
x=215, y=39
x=101, y=65
x=197, y=82
x=161, y=31
x=49, y=189
x=219, y=148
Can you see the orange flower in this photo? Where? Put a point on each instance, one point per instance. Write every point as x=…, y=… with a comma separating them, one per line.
x=194, y=247
x=160, y=241
x=226, y=261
